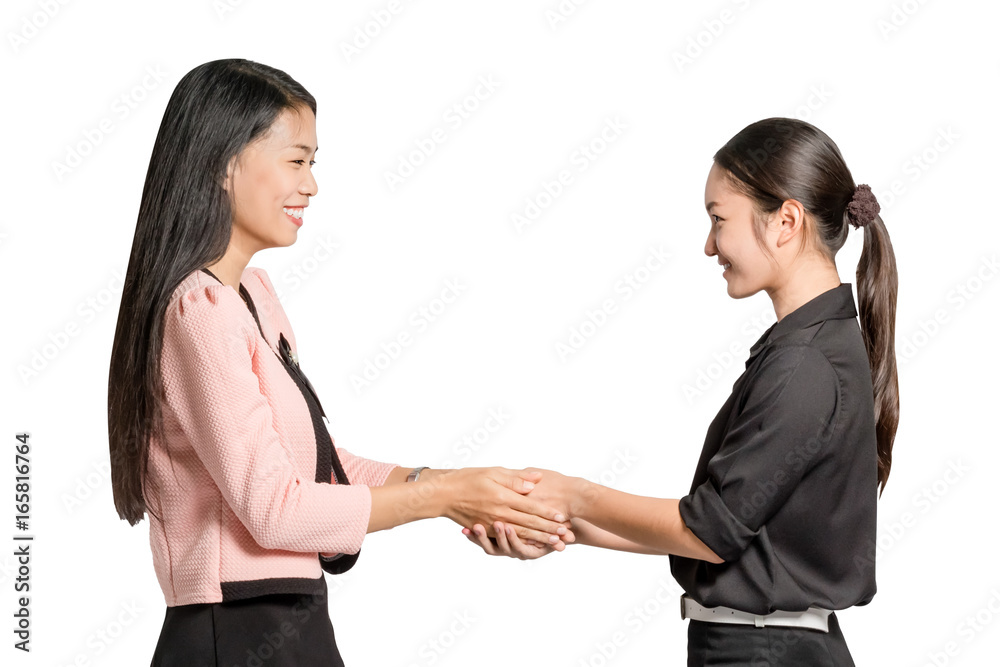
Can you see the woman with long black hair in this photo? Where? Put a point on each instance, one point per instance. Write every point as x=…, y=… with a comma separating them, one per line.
x=777, y=530
x=214, y=428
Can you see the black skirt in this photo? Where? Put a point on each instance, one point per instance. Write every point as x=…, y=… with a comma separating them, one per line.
x=275, y=630
x=731, y=645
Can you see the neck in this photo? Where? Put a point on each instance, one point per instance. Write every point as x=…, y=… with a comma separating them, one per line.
x=229, y=269
x=802, y=285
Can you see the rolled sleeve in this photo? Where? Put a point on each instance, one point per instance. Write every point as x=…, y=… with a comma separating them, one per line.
x=210, y=384
x=777, y=437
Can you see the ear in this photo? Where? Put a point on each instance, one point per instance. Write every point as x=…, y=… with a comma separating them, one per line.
x=230, y=168
x=789, y=221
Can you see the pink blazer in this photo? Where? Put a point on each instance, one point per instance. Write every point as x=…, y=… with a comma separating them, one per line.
x=234, y=477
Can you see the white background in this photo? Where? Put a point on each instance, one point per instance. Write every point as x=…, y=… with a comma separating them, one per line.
x=885, y=80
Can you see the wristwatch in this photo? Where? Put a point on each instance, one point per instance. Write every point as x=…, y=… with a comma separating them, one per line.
x=415, y=474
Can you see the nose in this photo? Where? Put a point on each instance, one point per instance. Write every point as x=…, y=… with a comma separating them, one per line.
x=710, y=248
x=308, y=186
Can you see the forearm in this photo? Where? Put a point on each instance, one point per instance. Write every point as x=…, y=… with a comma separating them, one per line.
x=397, y=502
x=589, y=534
x=652, y=523
x=397, y=476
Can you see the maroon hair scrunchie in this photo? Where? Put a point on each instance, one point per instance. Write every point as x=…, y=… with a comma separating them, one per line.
x=863, y=206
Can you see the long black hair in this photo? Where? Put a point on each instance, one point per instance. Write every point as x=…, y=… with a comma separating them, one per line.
x=783, y=158
x=184, y=224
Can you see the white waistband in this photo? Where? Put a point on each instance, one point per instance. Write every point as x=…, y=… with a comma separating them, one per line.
x=813, y=618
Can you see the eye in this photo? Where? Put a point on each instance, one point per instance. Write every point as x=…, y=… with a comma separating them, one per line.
x=715, y=216
x=311, y=162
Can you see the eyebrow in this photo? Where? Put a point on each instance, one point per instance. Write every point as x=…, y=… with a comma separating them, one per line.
x=307, y=149
x=710, y=205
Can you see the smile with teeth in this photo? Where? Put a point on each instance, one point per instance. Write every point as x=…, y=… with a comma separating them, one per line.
x=727, y=265
x=295, y=212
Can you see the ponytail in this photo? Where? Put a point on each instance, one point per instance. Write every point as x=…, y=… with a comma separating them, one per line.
x=877, y=285
x=801, y=162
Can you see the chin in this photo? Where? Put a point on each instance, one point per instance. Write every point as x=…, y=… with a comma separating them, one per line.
x=735, y=292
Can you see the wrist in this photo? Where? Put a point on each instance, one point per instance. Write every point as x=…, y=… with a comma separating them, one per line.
x=586, y=498
x=434, y=486
x=415, y=473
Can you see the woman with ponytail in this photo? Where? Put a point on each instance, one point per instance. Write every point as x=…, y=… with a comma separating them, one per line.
x=775, y=533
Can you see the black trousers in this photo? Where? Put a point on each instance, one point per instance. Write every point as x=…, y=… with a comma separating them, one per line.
x=730, y=645
x=277, y=630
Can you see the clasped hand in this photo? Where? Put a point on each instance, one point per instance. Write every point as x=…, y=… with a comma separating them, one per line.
x=509, y=498
x=550, y=489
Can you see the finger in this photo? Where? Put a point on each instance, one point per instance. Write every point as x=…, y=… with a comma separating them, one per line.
x=545, y=518
x=533, y=476
x=521, y=481
x=503, y=546
x=527, y=533
x=480, y=534
x=519, y=547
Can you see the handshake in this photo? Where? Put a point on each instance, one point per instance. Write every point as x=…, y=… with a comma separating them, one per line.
x=518, y=513
x=531, y=512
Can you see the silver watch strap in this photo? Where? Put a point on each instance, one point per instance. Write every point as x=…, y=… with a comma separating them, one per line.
x=415, y=474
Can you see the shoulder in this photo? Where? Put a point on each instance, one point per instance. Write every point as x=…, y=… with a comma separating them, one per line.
x=798, y=374
x=256, y=278
x=793, y=357
x=268, y=304
x=201, y=306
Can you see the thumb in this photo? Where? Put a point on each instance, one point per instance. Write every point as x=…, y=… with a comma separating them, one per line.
x=530, y=474
x=524, y=481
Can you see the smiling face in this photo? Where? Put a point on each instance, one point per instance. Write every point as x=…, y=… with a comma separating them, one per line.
x=731, y=238
x=271, y=182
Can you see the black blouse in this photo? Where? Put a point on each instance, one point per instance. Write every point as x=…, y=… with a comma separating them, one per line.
x=786, y=486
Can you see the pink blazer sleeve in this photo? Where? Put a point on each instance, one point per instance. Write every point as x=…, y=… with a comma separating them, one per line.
x=208, y=349
x=364, y=471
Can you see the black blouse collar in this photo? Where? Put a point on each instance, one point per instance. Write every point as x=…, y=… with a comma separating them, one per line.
x=834, y=304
